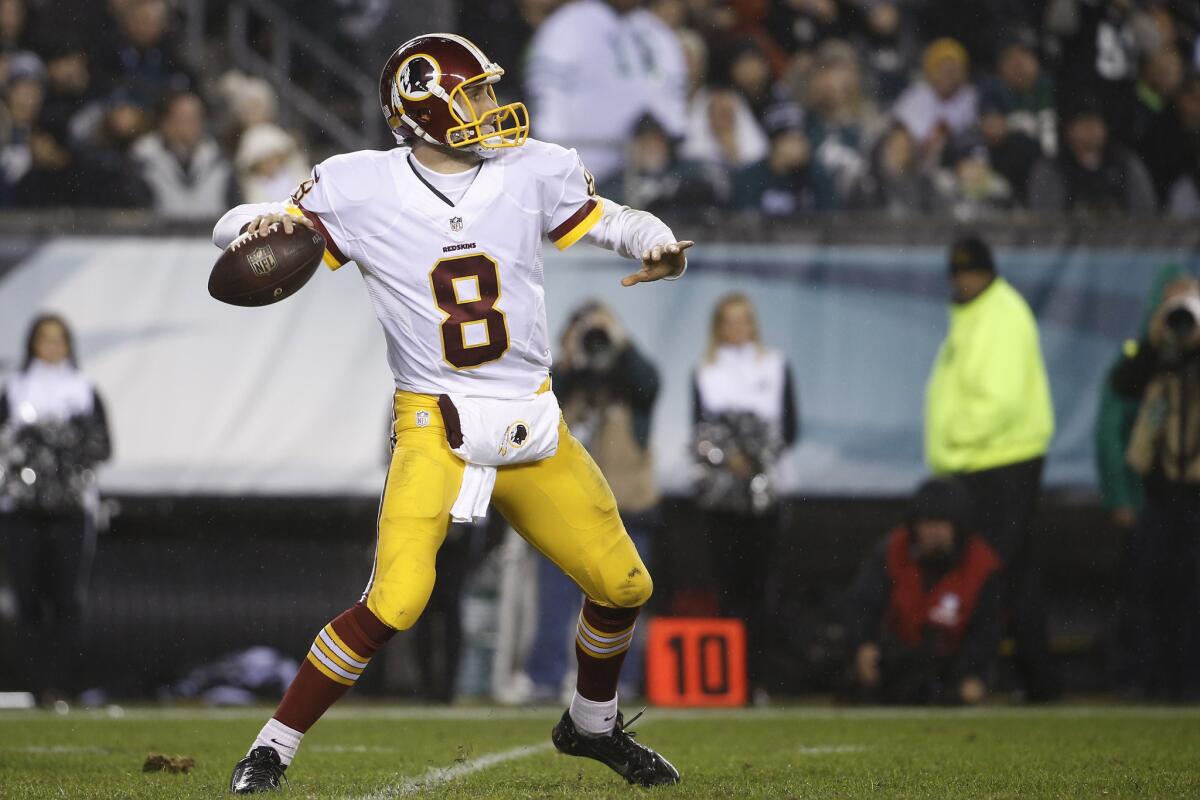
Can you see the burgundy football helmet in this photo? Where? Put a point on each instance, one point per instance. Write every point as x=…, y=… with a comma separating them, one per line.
x=423, y=93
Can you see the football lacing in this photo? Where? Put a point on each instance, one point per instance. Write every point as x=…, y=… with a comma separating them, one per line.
x=248, y=235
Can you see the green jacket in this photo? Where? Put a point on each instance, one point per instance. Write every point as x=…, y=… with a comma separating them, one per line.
x=1120, y=486
x=988, y=400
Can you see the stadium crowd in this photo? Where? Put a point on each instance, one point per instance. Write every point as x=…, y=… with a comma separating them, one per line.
x=775, y=107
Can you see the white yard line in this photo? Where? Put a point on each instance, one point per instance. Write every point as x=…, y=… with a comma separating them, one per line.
x=829, y=749
x=347, y=748
x=52, y=750
x=436, y=776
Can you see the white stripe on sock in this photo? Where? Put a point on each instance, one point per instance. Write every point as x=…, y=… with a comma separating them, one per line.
x=327, y=639
x=327, y=661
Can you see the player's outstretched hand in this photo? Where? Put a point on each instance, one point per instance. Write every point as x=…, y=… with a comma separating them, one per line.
x=660, y=261
x=261, y=225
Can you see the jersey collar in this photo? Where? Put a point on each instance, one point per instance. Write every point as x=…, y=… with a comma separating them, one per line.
x=433, y=205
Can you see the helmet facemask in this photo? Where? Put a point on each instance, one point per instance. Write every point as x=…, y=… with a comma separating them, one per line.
x=497, y=128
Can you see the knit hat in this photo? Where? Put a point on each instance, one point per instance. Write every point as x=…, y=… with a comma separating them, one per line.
x=942, y=499
x=941, y=50
x=263, y=141
x=971, y=254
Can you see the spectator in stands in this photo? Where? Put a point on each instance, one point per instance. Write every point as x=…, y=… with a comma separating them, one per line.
x=1123, y=496
x=607, y=389
x=722, y=130
x=53, y=434
x=243, y=101
x=989, y=420
x=1024, y=93
x=269, y=164
x=182, y=163
x=924, y=612
x=589, y=97
x=745, y=415
x=1011, y=153
x=68, y=85
x=839, y=119
x=1159, y=79
x=887, y=49
x=110, y=178
x=39, y=168
x=503, y=30
x=967, y=184
x=143, y=58
x=783, y=184
x=1172, y=145
x=1092, y=173
x=1100, y=44
x=749, y=74
x=656, y=180
x=1162, y=373
x=897, y=182
x=725, y=23
x=943, y=103
x=24, y=94
x=801, y=25
x=14, y=30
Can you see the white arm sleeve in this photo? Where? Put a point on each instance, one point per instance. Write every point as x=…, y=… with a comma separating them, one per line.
x=229, y=227
x=629, y=232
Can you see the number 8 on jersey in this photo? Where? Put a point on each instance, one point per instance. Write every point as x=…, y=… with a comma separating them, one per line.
x=466, y=289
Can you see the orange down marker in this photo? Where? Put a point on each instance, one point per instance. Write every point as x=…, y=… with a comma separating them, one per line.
x=696, y=662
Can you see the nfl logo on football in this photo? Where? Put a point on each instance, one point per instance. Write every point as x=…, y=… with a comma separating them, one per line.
x=456, y=224
x=262, y=260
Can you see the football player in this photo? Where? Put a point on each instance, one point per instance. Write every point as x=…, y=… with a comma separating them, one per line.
x=447, y=231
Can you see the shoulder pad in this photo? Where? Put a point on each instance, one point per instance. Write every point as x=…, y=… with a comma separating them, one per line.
x=354, y=177
x=542, y=158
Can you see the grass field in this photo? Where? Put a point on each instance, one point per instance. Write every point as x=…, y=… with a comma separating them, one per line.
x=396, y=751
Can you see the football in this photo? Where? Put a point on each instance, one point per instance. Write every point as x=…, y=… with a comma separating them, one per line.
x=259, y=270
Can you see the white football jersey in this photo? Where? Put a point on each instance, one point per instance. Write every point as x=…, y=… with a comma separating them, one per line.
x=457, y=287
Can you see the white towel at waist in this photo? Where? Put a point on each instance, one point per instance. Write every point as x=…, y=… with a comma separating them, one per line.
x=488, y=433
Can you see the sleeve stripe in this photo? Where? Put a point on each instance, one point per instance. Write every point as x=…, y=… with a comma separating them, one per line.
x=577, y=224
x=333, y=256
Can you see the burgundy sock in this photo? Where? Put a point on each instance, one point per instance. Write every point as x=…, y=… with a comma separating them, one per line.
x=336, y=659
x=601, y=642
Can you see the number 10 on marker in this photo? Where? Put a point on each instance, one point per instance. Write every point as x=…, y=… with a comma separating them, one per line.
x=696, y=662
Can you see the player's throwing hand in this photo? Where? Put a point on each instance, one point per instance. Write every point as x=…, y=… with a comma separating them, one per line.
x=660, y=261
x=262, y=224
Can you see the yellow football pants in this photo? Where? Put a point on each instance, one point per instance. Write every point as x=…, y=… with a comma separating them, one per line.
x=561, y=505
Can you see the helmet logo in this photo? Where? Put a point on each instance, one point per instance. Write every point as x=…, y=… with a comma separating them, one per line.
x=417, y=77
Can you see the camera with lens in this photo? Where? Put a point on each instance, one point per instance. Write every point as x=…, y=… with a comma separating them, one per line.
x=595, y=347
x=1181, y=317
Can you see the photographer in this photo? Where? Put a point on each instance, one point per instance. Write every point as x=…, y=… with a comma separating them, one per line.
x=1163, y=372
x=607, y=390
x=924, y=612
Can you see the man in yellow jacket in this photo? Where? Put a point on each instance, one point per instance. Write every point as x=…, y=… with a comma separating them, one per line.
x=989, y=420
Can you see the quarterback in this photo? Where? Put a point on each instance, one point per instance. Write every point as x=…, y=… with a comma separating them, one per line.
x=446, y=230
